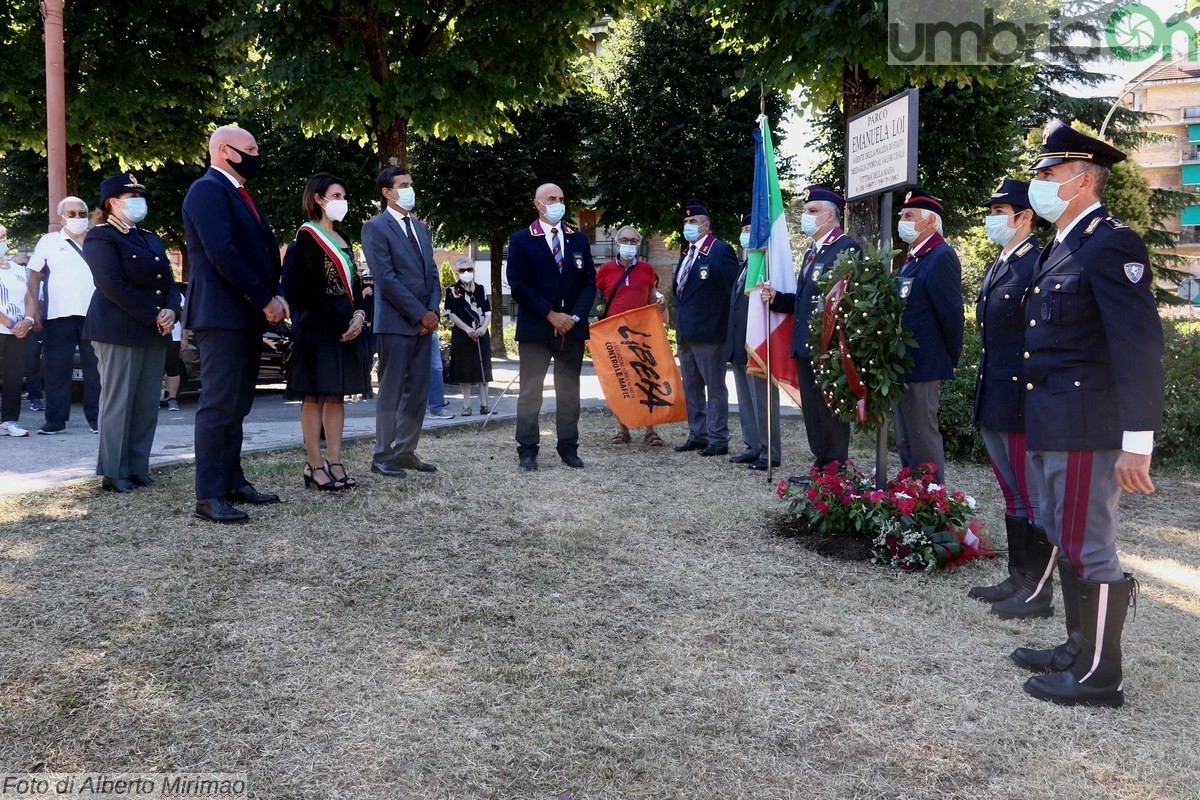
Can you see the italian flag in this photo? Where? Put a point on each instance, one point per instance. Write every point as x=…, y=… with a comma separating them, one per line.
x=769, y=261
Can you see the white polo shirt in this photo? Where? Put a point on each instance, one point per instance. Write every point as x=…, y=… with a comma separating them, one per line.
x=69, y=288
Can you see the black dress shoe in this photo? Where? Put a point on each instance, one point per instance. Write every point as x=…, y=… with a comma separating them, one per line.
x=761, y=464
x=745, y=458
x=690, y=444
x=529, y=463
x=215, y=509
x=116, y=485
x=248, y=494
x=572, y=460
x=141, y=480
x=714, y=451
x=413, y=461
x=387, y=468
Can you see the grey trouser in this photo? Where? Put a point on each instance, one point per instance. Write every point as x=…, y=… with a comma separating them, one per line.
x=917, y=435
x=1079, y=493
x=752, y=408
x=130, y=382
x=828, y=436
x=403, y=393
x=1006, y=451
x=702, y=367
x=535, y=360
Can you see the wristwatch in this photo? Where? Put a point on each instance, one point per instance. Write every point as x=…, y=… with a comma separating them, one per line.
x=575, y=318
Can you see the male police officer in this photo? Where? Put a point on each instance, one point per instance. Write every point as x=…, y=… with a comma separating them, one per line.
x=931, y=284
x=1000, y=403
x=1094, y=397
x=828, y=436
x=701, y=284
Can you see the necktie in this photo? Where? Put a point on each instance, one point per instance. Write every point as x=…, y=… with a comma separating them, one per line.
x=250, y=202
x=685, y=270
x=412, y=237
x=808, y=260
x=556, y=249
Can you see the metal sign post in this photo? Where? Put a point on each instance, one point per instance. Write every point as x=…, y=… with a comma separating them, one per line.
x=881, y=156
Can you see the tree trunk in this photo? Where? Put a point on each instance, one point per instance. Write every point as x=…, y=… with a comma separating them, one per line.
x=391, y=134
x=860, y=91
x=393, y=143
x=496, y=243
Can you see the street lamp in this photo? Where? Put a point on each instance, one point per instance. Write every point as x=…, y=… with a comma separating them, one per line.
x=1192, y=72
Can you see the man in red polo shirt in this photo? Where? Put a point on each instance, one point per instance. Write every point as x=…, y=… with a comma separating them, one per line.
x=623, y=284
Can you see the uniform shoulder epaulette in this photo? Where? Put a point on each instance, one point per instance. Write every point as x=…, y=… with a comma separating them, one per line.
x=1115, y=223
x=1023, y=249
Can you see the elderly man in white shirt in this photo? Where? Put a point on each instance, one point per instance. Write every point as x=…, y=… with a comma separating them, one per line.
x=58, y=262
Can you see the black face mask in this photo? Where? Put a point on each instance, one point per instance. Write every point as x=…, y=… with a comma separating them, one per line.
x=248, y=167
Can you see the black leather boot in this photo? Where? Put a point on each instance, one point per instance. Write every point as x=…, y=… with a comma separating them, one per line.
x=1095, y=677
x=1058, y=659
x=1035, y=596
x=1017, y=529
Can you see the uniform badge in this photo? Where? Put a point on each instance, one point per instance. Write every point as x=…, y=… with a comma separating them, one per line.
x=905, y=288
x=1134, y=271
x=1092, y=225
x=816, y=271
x=1025, y=248
x=579, y=261
x=704, y=273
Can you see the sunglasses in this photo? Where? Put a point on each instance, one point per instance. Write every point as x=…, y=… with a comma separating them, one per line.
x=75, y=214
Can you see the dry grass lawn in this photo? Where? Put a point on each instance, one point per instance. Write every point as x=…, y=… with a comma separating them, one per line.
x=630, y=630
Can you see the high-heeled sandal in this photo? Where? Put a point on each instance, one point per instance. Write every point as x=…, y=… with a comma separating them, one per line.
x=310, y=481
x=346, y=481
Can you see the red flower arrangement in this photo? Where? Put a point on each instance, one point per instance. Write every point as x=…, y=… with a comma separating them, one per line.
x=914, y=524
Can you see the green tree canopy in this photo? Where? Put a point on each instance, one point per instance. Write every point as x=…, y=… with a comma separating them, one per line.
x=378, y=70
x=669, y=128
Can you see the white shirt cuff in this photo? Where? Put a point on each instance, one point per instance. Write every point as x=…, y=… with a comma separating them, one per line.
x=1140, y=442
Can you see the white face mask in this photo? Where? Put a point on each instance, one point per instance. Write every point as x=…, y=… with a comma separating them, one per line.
x=555, y=212
x=627, y=251
x=907, y=229
x=466, y=276
x=1043, y=197
x=336, y=209
x=76, y=225
x=406, y=198
x=999, y=228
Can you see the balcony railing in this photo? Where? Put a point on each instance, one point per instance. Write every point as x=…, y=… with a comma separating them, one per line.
x=1191, y=112
x=1190, y=235
x=1190, y=155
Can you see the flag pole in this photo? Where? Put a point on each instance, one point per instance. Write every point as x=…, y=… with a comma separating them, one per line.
x=762, y=109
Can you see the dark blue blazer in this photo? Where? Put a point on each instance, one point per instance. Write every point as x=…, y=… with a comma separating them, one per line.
x=133, y=284
x=739, y=311
x=1094, y=339
x=702, y=310
x=806, y=289
x=538, y=288
x=233, y=258
x=931, y=284
x=1000, y=310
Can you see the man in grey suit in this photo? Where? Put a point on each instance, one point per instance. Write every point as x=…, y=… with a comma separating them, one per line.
x=400, y=254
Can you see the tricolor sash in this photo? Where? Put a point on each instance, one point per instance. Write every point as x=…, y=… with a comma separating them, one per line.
x=341, y=261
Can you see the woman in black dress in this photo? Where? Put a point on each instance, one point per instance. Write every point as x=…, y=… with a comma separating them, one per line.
x=470, y=345
x=329, y=358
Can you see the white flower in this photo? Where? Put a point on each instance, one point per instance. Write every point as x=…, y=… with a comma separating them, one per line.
x=971, y=502
x=933, y=487
x=903, y=496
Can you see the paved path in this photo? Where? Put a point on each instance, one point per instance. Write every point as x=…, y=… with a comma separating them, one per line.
x=40, y=462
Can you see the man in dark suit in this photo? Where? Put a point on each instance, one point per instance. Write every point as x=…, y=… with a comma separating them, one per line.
x=399, y=252
x=828, y=436
x=753, y=392
x=233, y=291
x=553, y=282
x=1093, y=400
x=930, y=283
x=702, y=283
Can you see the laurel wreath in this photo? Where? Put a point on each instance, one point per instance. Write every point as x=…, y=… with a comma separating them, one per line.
x=869, y=315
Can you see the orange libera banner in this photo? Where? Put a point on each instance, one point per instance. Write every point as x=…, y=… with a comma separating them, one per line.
x=637, y=369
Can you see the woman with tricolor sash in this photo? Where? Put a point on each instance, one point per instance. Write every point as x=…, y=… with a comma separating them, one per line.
x=329, y=359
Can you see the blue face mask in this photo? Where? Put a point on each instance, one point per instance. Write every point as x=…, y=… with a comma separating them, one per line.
x=1043, y=196
x=907, y=230
x=744, y=239
x=691, y=232
x=134, y=209
x=627, y=251
x=555, y=212
x=998, y=228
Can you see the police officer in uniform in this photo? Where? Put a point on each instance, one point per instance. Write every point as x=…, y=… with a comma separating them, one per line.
x=702, y=281
x=930, y=282
x=828, y=436
x=1000, y=401
x=1094, y=397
